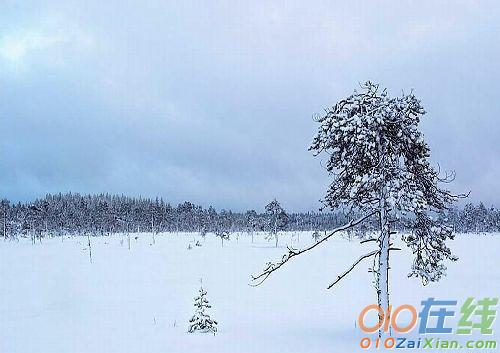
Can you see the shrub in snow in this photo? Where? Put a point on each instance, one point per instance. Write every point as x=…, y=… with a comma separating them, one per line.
x=201, y=321
x=316, y=235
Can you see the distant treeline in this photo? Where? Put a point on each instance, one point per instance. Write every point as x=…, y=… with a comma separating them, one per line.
x=104, y=214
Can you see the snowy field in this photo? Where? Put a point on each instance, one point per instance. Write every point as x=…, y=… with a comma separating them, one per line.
x=53, y=300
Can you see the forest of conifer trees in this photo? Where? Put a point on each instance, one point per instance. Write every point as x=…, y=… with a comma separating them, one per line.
x=104, y=214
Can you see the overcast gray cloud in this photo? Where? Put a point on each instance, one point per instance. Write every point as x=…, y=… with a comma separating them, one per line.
x=213, y=102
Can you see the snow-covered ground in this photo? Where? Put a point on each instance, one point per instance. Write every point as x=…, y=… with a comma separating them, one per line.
x=53, y=300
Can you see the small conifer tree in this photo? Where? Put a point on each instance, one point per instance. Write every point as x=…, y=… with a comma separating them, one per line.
x=201, y=321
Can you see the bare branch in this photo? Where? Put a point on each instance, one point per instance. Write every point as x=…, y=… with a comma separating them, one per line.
x=272, y=267
x=346, y=272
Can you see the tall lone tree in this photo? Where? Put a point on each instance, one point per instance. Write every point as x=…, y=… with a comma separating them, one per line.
x=379, y=164
x=277, y=219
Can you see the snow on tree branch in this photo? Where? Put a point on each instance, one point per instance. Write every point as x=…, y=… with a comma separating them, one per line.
x=201, y=320
x=346, y=272
x=272, y=267
x=428, y=243
x=373, y=142
x=379, y=161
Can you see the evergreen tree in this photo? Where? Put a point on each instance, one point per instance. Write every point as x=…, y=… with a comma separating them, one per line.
x=277, y=219
x=222, y=226
x=379, y=163
x=201, y=321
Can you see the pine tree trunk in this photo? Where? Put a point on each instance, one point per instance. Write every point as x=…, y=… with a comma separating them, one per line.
x=153, y=229
x=90, y=247
x=383, y=262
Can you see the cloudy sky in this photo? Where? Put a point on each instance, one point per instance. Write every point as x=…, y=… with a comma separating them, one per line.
x=213, y=101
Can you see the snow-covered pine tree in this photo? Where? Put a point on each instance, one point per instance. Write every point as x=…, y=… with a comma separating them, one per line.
x=251, y=220
x=379, y=164
x=277, y=219
x=201, y=321
x=222, y=226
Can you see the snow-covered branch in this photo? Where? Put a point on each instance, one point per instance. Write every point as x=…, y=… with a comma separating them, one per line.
x=346, y=272
x=272, y=267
